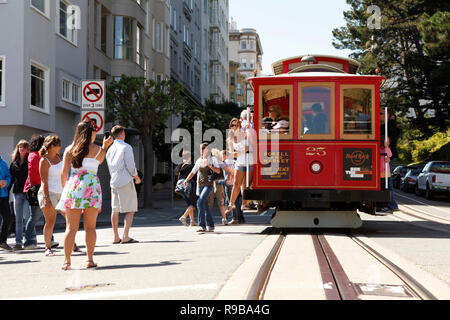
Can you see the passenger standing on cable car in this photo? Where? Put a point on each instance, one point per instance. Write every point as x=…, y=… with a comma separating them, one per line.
x=241, y=145
x=386, y=154
x=393, y=134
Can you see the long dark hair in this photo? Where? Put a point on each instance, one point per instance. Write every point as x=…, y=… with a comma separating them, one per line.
x=36, y=143
x=81, y=142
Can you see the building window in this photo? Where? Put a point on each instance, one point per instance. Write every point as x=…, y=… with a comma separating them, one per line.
x=75, y=94
x=239, y=89
x=159, y=37
x=243, y=45
x=175, y=20
x=39, y=87
x=244, y=63
x=70, y=92
x=104, y=30
x=64, y=11
x=66, y=90
x=2, y=81
x=139, y=45
x=233, y=78
x=123, y=38
x=41, y=5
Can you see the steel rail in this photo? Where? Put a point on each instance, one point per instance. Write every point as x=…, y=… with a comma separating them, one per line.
x=344, y=286
x=413, y=285
x=256, y=289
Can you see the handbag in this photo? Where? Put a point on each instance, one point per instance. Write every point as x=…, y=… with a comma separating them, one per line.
x=32, y=195
x=212, y=176
x=181, y=189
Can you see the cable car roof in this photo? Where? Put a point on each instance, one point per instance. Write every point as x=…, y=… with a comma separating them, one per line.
x=282, y=66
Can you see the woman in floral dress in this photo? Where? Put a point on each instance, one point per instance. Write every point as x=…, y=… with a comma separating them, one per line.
x=82, y=192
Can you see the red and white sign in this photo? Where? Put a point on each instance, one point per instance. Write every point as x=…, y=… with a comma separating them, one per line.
x=93, y=95
x=96, y=117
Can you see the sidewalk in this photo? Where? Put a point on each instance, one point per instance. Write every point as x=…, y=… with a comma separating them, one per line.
x=162, y=211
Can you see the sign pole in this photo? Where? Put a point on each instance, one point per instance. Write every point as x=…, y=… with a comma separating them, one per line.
x=386, y=140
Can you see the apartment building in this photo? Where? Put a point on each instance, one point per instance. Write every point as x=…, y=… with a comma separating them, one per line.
x=128, y=37
x=42, y=64
x=185, y=47
x=217, y=58
x=245, y=48
x=43, y=61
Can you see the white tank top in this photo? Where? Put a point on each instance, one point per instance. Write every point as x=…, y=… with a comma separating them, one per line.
x=54, y=177
x=91, y=164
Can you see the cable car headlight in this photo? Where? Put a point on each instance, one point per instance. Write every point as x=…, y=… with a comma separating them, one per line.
x=316, y=167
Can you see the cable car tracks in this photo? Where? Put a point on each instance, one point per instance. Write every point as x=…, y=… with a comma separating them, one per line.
x=336, y=266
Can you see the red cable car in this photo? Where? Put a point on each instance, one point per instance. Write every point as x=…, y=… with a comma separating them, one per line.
x=322, y=164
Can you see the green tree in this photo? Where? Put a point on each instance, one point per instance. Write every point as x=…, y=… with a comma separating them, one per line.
x=213, y=116
x=144, y=105
x=410, y=49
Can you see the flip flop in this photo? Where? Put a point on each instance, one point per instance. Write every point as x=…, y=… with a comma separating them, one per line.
x=117, y=242
x=91, y=264
x=130, y=241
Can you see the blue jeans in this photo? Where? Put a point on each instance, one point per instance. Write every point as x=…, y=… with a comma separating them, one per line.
x=36, y=214
x=204, y=214
x=21, y=203
x=391, y=204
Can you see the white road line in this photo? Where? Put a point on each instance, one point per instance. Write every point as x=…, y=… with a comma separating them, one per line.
x=124, y=293
x=427, y=204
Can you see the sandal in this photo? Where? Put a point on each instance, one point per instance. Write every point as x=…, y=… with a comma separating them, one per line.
x=49, y=252
x=230, y=208
x=76, y=249
x=66, y=266
x=91, y=264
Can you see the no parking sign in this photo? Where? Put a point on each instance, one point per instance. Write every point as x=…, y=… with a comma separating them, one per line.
x=97, y=119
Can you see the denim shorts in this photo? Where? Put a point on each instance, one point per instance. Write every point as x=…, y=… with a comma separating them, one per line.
x=244, y=168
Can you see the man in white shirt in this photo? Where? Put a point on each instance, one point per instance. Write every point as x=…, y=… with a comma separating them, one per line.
x=122, y=168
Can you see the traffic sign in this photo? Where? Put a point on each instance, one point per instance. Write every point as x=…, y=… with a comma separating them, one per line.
x=93, y=94
x=96, y=117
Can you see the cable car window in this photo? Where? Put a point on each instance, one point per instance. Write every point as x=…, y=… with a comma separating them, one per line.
x=357, y=111
x=316, y=110
x=276, y=109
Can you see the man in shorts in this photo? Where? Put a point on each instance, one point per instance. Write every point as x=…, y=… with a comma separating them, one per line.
x=122, y=168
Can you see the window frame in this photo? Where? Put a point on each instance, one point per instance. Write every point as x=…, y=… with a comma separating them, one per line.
x=125, y=45
x=347, y=136
x=46, y=88
x=315, y=136
x=3, y=81
x=72, y=86
x=72, y=35
x=46, y=12
x=290, y=87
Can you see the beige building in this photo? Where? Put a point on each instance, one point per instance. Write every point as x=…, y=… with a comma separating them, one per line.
x=237, y=84
x=245, y=48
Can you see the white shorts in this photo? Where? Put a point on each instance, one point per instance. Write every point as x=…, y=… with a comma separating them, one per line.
x=124, y=199
x=54, y=198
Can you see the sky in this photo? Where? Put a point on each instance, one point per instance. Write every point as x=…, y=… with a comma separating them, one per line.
x=290, y=28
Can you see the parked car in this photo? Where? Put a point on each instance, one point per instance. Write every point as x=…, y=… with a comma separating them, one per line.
x=398, y=173
x=409, y=181
x=434, y=178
